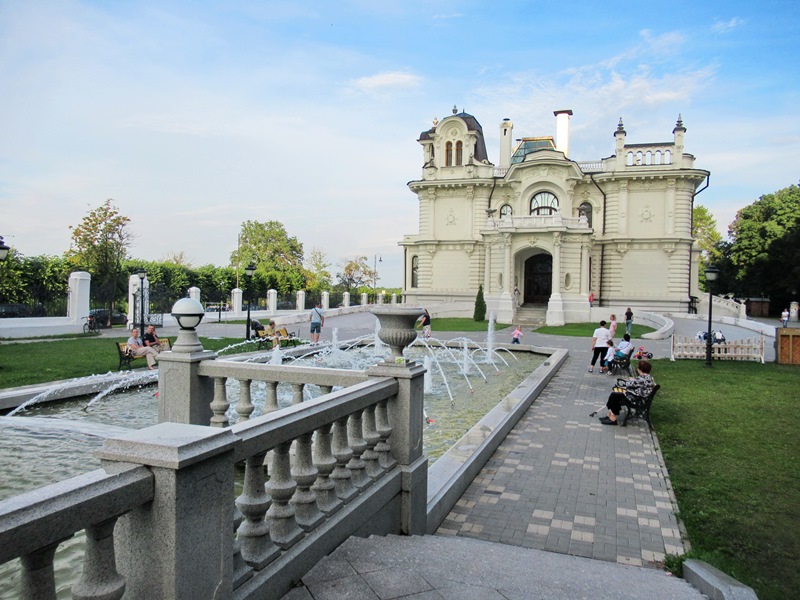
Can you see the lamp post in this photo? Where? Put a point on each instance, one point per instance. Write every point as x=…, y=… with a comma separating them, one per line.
x=249, y=270
x=142, y=274
x=3, y=249
x=712, y=273
x=188, y=312
x=376, y=259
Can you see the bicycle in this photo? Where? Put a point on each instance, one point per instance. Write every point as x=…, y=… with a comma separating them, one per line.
x=91, y=325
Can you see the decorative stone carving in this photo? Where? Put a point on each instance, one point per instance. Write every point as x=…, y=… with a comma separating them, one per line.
x=450, y=219
x=646, y=214
x=622, y=248
x=397, y=328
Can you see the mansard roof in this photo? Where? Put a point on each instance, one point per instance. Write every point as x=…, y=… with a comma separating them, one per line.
x=472, y=125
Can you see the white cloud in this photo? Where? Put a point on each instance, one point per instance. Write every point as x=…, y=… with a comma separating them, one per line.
x=390, y=80
x=727, y=26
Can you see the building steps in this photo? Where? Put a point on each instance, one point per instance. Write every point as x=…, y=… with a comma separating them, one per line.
x=530, y=315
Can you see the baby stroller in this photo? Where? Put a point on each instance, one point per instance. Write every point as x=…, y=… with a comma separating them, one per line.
x=641, y=353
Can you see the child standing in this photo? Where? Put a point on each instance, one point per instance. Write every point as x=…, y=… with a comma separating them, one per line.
x=609, y=357
x=517, y=335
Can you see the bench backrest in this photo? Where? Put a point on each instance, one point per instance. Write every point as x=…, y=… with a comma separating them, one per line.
x=283, y=333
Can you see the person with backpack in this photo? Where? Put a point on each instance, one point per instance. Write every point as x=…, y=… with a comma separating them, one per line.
x=317, y=321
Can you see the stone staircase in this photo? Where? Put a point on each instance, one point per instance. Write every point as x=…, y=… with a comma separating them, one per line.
x=530, y=316
x=436, y=566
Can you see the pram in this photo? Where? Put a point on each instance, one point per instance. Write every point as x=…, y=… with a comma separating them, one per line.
x=717, y=337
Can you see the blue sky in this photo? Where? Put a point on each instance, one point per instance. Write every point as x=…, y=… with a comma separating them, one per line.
x=196, y=116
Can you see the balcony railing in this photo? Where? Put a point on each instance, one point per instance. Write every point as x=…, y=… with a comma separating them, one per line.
x=542, y=222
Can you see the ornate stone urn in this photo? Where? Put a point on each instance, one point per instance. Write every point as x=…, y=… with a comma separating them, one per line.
x=397, y=328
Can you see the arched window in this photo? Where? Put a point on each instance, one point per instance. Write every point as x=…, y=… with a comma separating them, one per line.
x=506, y=211
x=544, y=203
x=459, y=153
x=585, y=210
x=448, y=154
x=414, y=271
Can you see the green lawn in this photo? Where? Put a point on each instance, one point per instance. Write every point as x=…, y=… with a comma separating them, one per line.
x=39, y=362
x=729, y=435
x=587, y=329
x=463, y=324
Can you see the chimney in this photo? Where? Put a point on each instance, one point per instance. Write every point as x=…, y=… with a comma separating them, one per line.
x=506, y=130
x=562, y=130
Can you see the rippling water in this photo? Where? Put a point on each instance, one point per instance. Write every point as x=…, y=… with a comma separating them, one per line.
x=55, y=441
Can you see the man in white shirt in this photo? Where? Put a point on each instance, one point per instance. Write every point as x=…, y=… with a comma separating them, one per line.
x=600, y=339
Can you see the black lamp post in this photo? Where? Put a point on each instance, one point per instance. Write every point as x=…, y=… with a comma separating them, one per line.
x=712, y=273
x=376, y=260
x=142, y=274
x=3, y=249
x=249, y=270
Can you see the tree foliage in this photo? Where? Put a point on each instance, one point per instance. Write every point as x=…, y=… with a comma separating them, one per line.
x=318, y=275
x=355, y=273
x=704, y=230
x=38, y=281
x=480, y=306
x=277, y=256
x=99, y=245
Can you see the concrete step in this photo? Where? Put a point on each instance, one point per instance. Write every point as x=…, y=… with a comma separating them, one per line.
x=395, y=566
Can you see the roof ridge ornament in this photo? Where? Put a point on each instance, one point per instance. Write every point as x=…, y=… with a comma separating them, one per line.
x=455, y=109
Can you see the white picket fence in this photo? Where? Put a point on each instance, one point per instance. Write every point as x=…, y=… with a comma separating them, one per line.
x=744, y=349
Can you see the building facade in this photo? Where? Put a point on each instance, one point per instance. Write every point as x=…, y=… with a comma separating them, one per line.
x=542, y=232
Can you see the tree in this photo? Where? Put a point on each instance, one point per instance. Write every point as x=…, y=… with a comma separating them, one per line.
x=480, y=306
x=318, y=277
x=754, y=232
x=355, y=273
x=278, y=257
x=704, y=230
x=99, y=244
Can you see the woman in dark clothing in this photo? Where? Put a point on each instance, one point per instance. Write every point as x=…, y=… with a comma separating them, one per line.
x=628, y=320
x=641, y=386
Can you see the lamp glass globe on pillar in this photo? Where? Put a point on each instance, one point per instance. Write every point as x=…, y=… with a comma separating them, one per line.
x=712, y=273
x=188, y=312
x=249, y=270
x=3, y=249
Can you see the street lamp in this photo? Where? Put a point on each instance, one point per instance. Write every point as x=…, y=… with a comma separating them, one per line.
x=377, y=258
x=142, y=274
x=3, y=249
x=249, y=270
x=188, y=312
x=712, y=273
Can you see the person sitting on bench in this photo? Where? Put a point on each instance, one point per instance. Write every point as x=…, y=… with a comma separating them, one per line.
x=271, y=334
x=641, y=386
x=624, y=348
x=151, y=340
x=137, y=348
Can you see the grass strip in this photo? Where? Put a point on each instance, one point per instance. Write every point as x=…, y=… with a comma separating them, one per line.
x=729, y=436
x=463, y=324
x=587, y=329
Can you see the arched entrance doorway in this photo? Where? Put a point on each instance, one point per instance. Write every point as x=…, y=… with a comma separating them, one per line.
x=538, y=279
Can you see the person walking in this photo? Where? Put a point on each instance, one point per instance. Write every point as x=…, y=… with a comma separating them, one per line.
x=785, y=317
x=517, y=335
x=600, y=339
x=317, y=322
x=612, y=326
x=628, y=321
x=425, y=322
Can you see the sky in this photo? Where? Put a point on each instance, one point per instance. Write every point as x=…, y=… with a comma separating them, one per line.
x=196, y=116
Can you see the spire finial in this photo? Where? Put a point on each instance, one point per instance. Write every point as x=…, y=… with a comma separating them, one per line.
x=620, y=127
x=455, y=109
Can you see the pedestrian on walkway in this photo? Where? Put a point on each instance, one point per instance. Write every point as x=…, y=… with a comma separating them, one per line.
x=317, y=322
x=517, y=335
x=628, y=321
x=612, y=326
x=425, y=322
x=600, y=339
x=785, y=317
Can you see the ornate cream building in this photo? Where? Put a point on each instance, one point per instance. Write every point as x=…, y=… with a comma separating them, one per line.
x=542, y=232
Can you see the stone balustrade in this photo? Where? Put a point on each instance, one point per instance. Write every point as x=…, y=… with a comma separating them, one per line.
x=541, y=222
x=644, y=155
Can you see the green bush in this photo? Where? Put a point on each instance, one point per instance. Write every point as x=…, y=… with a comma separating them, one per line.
x=480, y=306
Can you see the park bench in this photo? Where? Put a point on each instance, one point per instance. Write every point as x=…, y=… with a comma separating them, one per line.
x=623, y=365
x=638, y=407
x=284, y=337
x=126, y=358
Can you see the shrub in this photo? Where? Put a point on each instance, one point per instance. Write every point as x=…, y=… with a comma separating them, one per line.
x=480, y=306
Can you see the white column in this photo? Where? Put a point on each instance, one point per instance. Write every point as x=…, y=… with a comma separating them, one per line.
x=508, y=284
x=326, y=300
x=584, y=285
x=301, y=300
x=80, y=283
x=194, y=293
x=236, y=300
x=487, y=267
x=272, y=301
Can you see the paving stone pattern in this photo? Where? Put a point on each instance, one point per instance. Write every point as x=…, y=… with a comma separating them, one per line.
x=563, y=482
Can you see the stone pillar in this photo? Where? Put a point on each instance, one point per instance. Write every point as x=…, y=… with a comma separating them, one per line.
x=584, y=283
x=364, y=299
x=301, y=300
x=394, y=299
x=180, y=545
x=236, y=300
x=487, y=268
x=555, y=306
x=379, y=299
x=406, y=415
x=184, y=396
x=507, y=267
x=346, y=299
x=272, y=301
x=194, y=293
x=326, y=300
x=80, y=283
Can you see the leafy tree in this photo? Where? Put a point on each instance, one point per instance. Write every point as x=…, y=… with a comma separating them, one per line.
x=99, y=244
x=355, y=273
x=277, y=256
x=704, y=230
x=12, y=271
x=480, y=306
x=318, y=277
x=754, y=232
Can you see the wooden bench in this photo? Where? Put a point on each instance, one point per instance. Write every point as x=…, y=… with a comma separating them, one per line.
x=126, y=358
x=639, y=407
x=283, y=337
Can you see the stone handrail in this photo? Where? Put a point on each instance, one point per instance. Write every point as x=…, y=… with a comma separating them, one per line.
x=646, y=155
x=32, y=525
x=538, y=222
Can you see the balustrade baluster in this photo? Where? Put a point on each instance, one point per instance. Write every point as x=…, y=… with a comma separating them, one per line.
x=297, y=393
x=324, y=487
x=258, y=549
x=219, y=406
x=38, y=580
x=244, y=408
x=357, y=444
x=271, y=403
x=282, y=525
x=306, y=511
x=99, y=579
x=341, y=475
x=241, y=570
x=370, y=457
x=383, y=448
